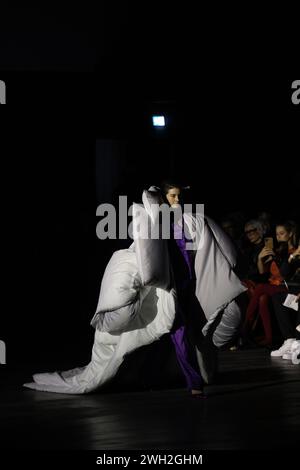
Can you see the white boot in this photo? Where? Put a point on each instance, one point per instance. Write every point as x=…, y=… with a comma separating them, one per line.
x=284, y=349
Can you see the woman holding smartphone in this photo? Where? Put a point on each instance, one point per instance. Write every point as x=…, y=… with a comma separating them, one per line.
x=275, y=263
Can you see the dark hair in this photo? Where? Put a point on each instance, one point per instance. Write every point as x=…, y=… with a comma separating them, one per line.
x=282, y=249
x=168, y=184
x=291, y=227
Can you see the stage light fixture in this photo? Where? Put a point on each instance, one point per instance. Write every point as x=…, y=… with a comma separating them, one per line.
x=158, y=121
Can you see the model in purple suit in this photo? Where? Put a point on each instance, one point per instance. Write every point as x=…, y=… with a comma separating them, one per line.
x=184, y=278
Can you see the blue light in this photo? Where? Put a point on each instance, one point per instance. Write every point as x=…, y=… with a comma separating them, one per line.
x=158, y=121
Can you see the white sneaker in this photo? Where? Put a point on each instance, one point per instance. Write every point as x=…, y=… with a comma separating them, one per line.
x=285, y=348
x=295, y=351
x=287, y=355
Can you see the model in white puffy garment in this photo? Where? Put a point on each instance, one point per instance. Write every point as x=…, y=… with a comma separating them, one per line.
x=160, y=286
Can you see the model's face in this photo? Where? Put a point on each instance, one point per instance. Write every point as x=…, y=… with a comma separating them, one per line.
x=282, y=234
x=173, y=197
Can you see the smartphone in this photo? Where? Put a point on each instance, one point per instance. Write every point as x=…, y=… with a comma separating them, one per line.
x=269, y=243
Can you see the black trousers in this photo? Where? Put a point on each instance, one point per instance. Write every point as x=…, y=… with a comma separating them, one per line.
x=287, y=318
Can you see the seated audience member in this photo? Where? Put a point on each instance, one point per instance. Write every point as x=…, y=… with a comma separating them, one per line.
x=276, y=265
x=247, y=268
x=288, y=314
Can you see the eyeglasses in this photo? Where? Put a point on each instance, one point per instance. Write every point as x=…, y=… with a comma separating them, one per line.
x=247, y=232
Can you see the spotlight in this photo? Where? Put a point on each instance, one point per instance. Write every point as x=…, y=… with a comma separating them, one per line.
x=158, y=121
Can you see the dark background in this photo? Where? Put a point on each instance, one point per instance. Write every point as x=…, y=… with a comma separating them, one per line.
x=81, y=89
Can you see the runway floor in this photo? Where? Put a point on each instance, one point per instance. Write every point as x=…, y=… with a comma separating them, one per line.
x=255, y=404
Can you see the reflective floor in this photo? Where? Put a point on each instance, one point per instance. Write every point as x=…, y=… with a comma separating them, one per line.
x=255, y=404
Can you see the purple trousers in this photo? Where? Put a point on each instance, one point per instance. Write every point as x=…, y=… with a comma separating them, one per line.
x=185, y=352
x=186, y=359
